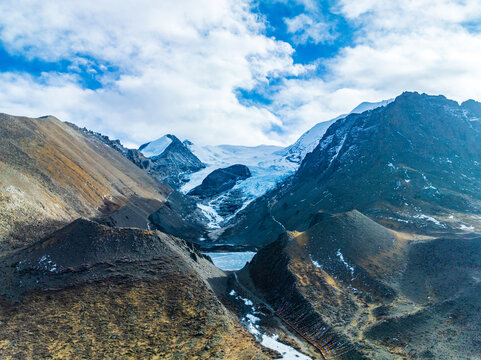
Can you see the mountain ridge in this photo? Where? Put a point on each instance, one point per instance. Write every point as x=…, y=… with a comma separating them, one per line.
x=383, y=166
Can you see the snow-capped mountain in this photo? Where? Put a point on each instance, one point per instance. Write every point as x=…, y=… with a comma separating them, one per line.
x=156, y=147
x=170, y=161
x=309, y=140
x=413, y=165
x=268, y=165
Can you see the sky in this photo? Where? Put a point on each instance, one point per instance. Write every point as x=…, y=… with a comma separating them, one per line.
x=243, y=72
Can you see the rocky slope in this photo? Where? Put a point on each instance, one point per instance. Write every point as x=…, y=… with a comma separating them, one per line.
x=52, y=173
x=413, y=165
x=165, y=159
x=91, y=291
x=360, y=291
x=221, y=180
x=310, y=139
x=171, y=161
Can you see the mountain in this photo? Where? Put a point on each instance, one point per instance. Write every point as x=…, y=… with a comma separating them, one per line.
x=92, y=291
x=186, y=167
x=53, y=173
x=310, y=139
x=361, y=291
x=269, y=166
x=413, y=165
x=369, y=246
x=221, y=180
x=171, y=162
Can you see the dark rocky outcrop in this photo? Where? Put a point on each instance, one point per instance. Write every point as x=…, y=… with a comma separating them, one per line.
x=221, y=180
x=179, y=216
x=174, y=164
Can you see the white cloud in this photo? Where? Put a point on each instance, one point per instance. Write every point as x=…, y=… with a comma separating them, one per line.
x=380, y=14
x=306, y=29
x=413, y=45
x=180, y=63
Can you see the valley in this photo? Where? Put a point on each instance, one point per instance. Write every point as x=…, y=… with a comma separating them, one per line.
x=359, y=241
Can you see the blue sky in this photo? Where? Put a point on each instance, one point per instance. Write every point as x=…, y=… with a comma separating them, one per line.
x=223, y=71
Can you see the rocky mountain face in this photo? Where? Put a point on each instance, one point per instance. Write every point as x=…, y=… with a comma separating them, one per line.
x=166, y=159
x=360, y=291
x=413, y=165
x=92, y=291
x=221, y=180
x=52, y=173
x=310, y=139
x=170, y=161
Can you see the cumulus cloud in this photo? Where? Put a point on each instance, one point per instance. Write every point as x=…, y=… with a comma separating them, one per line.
x=423, y=45
x=305, y=29
x=178, y=66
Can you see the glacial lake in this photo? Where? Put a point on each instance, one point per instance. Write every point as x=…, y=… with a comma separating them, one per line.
x=230, y=261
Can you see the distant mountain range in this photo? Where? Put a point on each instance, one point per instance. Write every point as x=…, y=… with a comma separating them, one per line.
x=269, y=165
x=411, y=165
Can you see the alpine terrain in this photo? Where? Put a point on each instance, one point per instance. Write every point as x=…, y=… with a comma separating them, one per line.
x=361, y=240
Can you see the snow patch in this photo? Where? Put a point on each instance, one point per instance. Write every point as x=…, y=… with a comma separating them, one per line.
x=428, y=218
x=338, y=150
x=314, y=262
x=157, y=147
x=346, y=264
x=466, y=228
x=252, y=324
x=45, y=263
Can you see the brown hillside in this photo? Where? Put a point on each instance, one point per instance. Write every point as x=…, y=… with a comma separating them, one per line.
x=51, y=174
x=89, y=291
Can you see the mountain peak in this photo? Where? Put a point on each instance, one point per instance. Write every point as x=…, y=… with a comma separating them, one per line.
x=157, y=147
x=366, y=106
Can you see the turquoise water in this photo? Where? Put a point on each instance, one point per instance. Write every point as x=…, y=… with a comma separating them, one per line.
x=231, y=261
